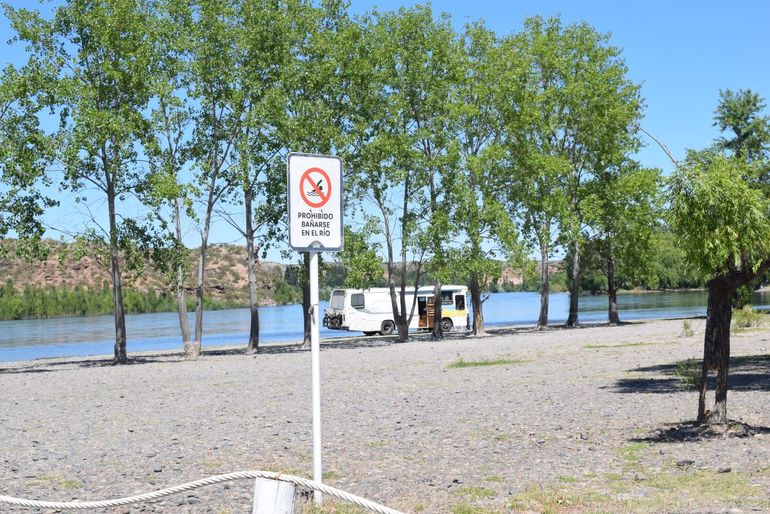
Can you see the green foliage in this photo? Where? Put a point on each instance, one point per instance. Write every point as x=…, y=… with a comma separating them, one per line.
x=25, y=152
x=740, y=113
x=361, y=259
x=688, y=372
x=66, y=301
x=717, y=217
x=671, y=267
x=746, y=317
x=623, y=208
x=286, y=294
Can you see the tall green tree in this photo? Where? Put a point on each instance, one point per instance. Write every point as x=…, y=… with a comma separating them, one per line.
x=533, y=189
x=569, y=108
x=395, y=140
x=270, y=40
x=622, y=207
x=428, y=68
x=478, y=216
x=168, y=148
x=720, y=215
x=316, y=85
x=101, y=57
x=217, y=122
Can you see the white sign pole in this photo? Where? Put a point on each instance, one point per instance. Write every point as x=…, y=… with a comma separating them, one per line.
x=314, y=197
x=315, y=350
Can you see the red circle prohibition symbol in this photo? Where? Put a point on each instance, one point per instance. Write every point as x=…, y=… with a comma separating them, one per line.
x=316, y=188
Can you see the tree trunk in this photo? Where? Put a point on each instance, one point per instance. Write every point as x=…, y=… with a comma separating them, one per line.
x=193, y=350
x=477, y=304
x=438, y=333
x=251, y=257
x=402, y=322
x=716, y=349
x=120, y=355
x=542, y=321
x=181, y=293
x=612, y=293
x=574, y=294
x=306, y=318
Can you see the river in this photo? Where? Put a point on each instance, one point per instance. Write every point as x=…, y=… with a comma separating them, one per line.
x=94, y=335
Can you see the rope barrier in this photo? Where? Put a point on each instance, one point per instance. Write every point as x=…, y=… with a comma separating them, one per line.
x=240, y=475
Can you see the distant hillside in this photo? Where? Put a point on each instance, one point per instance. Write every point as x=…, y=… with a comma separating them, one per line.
x=226, y=274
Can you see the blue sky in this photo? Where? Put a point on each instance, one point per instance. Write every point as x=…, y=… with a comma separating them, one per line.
x=682, y=53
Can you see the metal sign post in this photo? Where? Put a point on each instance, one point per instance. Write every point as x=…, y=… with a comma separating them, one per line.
x=315, y=225
x=315, y=351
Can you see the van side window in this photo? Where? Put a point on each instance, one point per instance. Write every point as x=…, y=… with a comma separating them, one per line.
x=460, y=302
x=357, y=301
x=446, y=297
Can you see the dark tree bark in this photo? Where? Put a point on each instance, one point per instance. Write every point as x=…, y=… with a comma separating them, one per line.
x=574, y=294
x=612, y=292
x=477, y=304
x=251, y=256
x=542, y=321
x=399, y=310
x=716, y=348
x=120, y=355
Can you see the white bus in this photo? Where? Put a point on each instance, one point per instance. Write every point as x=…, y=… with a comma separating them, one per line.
x=371, y=312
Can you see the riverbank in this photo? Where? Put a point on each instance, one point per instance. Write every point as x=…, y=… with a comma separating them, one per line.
x=566, y=420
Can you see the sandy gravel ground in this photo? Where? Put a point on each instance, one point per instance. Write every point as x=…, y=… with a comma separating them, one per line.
x=579, y=420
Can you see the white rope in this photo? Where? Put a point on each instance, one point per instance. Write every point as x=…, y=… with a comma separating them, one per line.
x=309, y=484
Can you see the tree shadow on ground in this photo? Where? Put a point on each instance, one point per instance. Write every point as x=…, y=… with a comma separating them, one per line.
x=52, y=365
x=747, y=373
x=690, y=431
x=171, y=356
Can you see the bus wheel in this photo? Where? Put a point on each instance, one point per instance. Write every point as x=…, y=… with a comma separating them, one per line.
x=446, y=325
x=387, y=328
x=369, y=333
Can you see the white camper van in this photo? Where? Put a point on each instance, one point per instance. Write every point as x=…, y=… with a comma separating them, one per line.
x=370, y=310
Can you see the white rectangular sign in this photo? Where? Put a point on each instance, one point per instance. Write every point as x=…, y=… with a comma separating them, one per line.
x=315, y=202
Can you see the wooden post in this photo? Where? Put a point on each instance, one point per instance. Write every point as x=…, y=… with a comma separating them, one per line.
x=273, y=497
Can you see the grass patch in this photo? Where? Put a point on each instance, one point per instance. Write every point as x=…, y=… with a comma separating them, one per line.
x=461, y=363
x=568, y=479
x=550, y=500
x=330, y=507
x=70, y=484
x=667, y=490
x=688, y=372
x=465, y=508
x=495, y=478
x=693, y=490
x=632, y=455
x=621, y=345
x=475, y=492
x=331, y=475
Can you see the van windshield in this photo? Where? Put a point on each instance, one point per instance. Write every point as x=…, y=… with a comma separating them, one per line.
x=338, y=300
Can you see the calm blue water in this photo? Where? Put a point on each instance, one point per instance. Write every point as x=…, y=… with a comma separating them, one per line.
x=94, y=335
